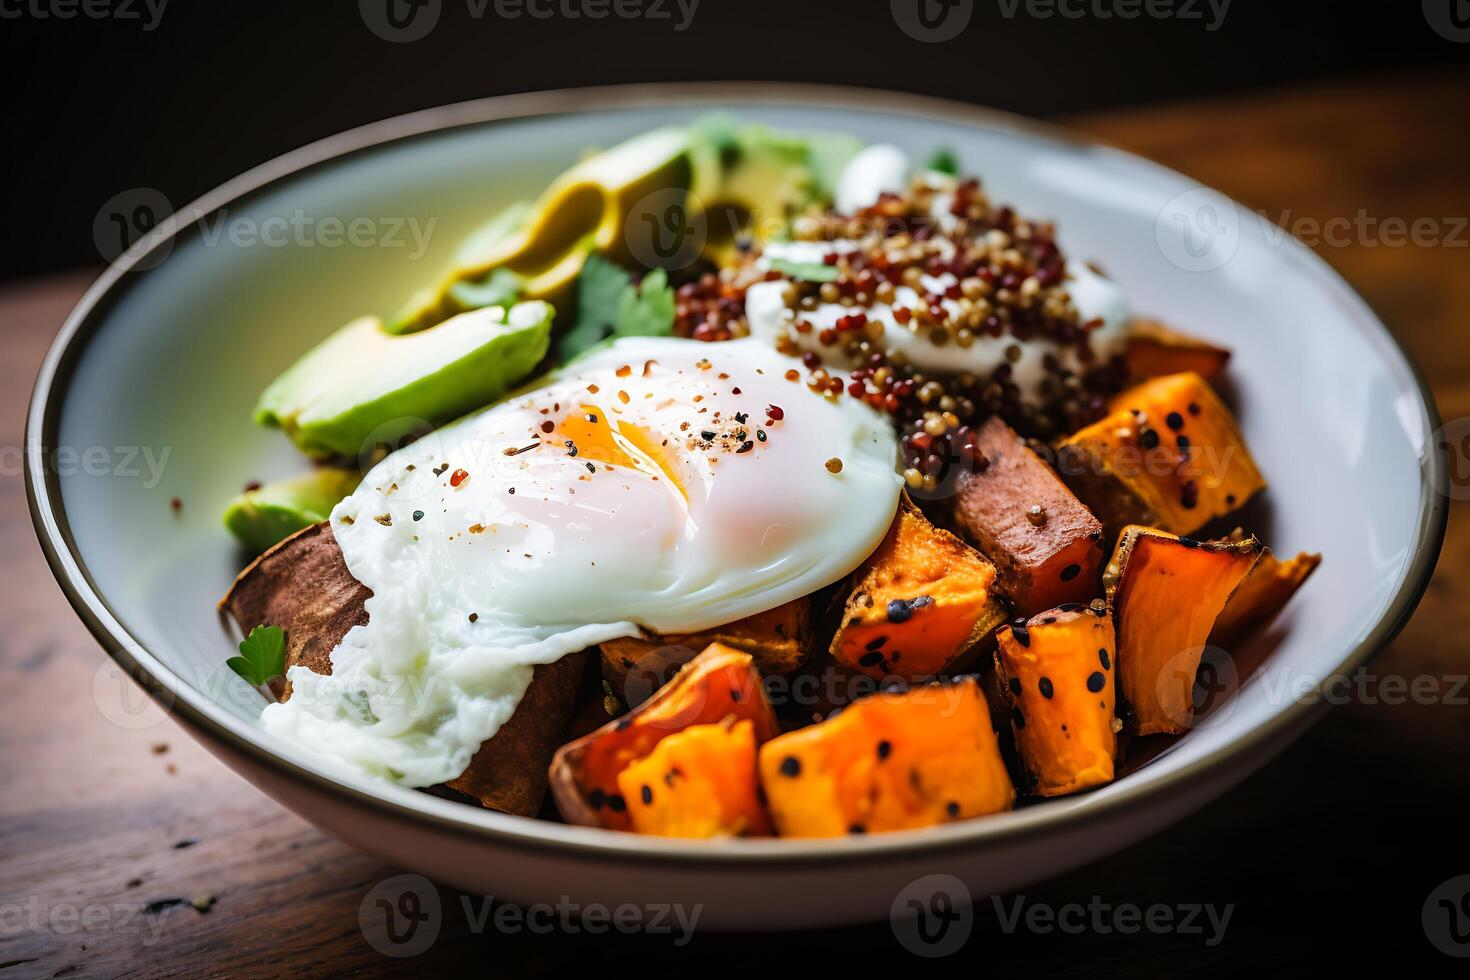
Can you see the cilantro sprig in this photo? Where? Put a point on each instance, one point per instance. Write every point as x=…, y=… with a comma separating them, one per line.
x=610, y=305
x=262, y=655
x=944, y=161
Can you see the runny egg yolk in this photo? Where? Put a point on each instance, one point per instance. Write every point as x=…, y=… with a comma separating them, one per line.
x=620, y=443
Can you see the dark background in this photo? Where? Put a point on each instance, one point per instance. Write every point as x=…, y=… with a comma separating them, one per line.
x=99, y=105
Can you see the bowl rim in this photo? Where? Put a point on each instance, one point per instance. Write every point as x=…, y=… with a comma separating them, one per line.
x=181, y=700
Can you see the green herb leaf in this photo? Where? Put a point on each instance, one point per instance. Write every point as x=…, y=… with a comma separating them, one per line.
x=810, y=271
x=944, y=161
x=609, y=305
x=262, y=655
x=500, y=288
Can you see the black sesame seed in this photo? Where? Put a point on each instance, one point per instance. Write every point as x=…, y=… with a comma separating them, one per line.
x=1188, y=542
x=1069, y=607
x=791, y=766
x=597, y=799
x=760, y=434
x=418, y=515
x=1104, y=659
x=876, y=643
x=746, y=446
x=616, y=803
x=1021, y=634
x=1015, y=685
x=735, y=695
x=952, y=808
x=857, y=828
x=1044, y=686
x=1095, y=681
x=1071, y=572
x=871, y=659
x=1194, y=408
x=1174, y=421
x=1183, y=443
x=1148, y=439
x=885, y=748
x=1018, y=719
x=647, y=794
x=707, y=436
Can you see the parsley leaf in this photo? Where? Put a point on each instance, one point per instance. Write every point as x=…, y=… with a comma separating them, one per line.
x=262, y=655
x=944, y=161
x=500, y=288
x=609, y=305
x=810, y=271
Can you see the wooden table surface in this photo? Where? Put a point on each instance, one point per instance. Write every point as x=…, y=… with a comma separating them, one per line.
x=133, y=852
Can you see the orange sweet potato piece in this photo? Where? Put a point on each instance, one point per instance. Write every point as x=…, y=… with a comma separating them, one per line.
x=778, y=640
x=1046, y=546
x=1056, y=672
x=720, y=683
x=890, y=761
x=919, y=604
x=1154, y=349
x=1261, y=597
x=1169, y=455
x=303, y=586
x=701, y=782
x=1166, y=593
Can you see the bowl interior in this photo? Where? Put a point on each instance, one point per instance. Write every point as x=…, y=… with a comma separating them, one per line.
x=157, y=404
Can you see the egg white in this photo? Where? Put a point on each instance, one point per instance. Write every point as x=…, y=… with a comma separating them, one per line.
x=704, y=510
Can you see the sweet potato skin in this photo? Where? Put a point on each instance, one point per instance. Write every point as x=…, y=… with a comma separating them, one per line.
x=1166, y=593
x=1050, y=557
x=1154, y=349
x=1261, y=597
x=919, y=606
x=701, y=782
x=303, y=586
x=1168, y=455
x=779, y=640
x=720, y=683
x=1056, y=673
x=891, y=761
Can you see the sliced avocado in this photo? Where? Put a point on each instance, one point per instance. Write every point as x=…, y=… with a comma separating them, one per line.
x=584, y=209
x=267, y=514
x=362, y=387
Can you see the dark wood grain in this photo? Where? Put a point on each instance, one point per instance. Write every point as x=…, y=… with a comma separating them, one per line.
x=1329, y=852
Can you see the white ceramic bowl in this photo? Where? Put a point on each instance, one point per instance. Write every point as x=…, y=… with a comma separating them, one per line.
x=169, y=349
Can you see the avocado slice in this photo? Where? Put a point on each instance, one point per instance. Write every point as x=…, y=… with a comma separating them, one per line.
x=363, y=387
x=273, y=512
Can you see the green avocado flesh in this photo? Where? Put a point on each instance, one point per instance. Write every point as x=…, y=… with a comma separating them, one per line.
x=267, y=514
x=363, y=387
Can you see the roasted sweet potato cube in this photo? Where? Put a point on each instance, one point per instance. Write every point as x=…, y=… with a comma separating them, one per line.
x=1154, y=350
x=890, y=761
x=1166, y=592
x=1046, y=546
x=1056, y=672
x=919, y=605
x=718, y=684
x=1261, y=597
x=701, y=782
x=1169, y=455
x=778, y=640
